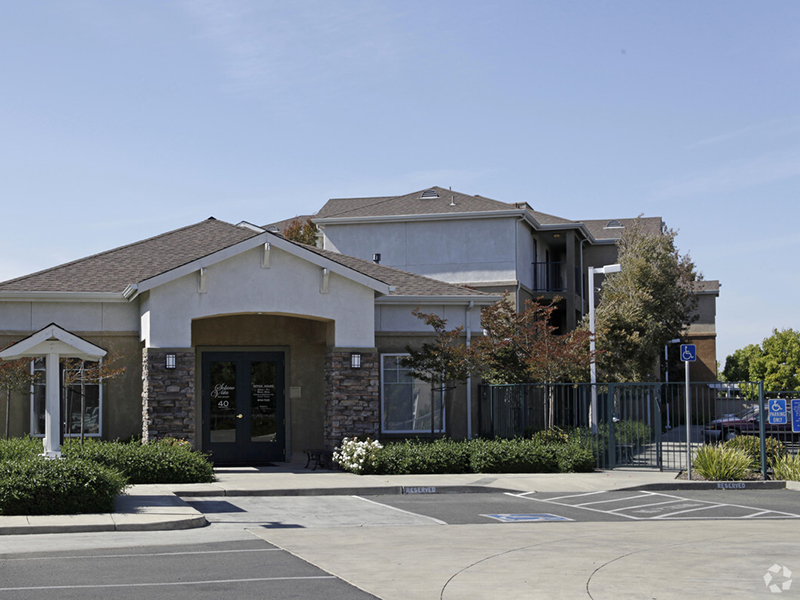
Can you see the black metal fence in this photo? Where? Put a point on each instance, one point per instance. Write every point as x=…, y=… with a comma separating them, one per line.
x=641, y=424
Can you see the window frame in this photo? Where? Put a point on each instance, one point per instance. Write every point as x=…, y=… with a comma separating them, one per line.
x=42, y=384
x=441, y=429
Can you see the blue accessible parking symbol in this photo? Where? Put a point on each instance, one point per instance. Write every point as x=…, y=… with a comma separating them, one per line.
x=796, y=415
x=688, y=352
x=777, y=412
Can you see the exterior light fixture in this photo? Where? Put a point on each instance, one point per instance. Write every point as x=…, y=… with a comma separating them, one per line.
x=355, y=360
x=171, y=360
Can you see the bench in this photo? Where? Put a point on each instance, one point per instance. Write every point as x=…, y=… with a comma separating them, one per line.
x=320, y=457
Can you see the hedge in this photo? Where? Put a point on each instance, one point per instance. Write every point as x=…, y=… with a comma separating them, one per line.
x=158, y=462
x=540, y=454
x=39, y=486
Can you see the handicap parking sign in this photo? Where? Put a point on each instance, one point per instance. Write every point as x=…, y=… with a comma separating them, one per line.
x=796, y=415
x=777, y=412
x=688, y=352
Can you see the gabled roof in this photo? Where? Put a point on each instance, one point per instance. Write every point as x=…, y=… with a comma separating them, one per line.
x=445, y=202
x=441, y=202
x=113, y=270
x=158, y=259
x=600, y=229
x=52, y=339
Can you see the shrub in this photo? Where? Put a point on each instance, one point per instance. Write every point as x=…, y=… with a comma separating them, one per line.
x=720, y=463
x=146, y=463
x=632, y=432
x=786, y=467
x=20, y=448
x=575, y=457
x=421, y=457
x=751, y=446
x=355, y=455
x=38, y=486
x=513, y=456
x=554, y=435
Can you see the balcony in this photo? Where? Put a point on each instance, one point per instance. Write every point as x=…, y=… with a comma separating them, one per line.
x=552, y=277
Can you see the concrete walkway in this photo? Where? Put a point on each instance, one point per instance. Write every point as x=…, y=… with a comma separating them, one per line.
x=161, y=507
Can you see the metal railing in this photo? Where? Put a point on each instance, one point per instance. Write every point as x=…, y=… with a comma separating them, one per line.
x=641, y=424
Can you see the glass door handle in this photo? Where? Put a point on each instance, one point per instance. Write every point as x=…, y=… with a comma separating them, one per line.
x=239, y=416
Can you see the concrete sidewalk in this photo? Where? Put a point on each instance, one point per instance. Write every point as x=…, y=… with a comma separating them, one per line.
x=160, y=507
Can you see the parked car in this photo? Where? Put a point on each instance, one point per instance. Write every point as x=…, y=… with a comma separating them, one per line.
x=747, y=423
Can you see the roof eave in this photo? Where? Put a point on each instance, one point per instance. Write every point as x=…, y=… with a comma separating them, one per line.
x=24, y=296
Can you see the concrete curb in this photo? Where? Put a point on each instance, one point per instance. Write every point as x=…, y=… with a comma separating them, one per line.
x=710, y=485
x=349, y=491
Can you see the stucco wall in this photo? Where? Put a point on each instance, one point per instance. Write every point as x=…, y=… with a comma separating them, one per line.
x=463, y=250
x=72, y=316
x=290, y=286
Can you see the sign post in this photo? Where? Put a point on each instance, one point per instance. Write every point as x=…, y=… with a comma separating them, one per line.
x=688, y=354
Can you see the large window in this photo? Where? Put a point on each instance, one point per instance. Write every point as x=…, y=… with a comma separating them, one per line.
x=405, y=401
x=71, y=392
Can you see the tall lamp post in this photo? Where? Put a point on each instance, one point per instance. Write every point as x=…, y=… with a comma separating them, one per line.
x=605, y=270
x=666, y=375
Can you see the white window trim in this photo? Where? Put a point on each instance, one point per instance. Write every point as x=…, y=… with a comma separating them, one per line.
x=34, y=416
x=439, y=430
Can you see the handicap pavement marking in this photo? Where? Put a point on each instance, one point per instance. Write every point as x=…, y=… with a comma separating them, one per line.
x=527, y=518
x=658, y=506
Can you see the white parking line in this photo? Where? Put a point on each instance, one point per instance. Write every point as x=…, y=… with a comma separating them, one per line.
x=165, y=584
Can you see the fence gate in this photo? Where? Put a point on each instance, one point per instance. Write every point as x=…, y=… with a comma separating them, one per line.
x=639, y=424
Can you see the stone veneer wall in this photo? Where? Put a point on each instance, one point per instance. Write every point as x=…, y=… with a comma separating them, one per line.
x=168, y=402
x=352, y=400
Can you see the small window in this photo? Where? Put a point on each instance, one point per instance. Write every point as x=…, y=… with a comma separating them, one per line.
x=614, y=224
x=406, y=402
x=431, y=193
x=73, y=395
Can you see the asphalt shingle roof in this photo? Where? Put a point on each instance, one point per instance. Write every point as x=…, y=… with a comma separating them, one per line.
x=113, y=270
x=410, y=204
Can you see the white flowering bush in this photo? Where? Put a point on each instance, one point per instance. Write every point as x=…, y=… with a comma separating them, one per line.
x=354, y=455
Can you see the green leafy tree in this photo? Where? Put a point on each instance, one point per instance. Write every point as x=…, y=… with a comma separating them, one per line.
x=776, y=361
x=303, y=231
x=642, y=307
x=737, y=365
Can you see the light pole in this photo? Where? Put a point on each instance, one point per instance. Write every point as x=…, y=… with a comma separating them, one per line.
x=605, y=270
x=666, y=375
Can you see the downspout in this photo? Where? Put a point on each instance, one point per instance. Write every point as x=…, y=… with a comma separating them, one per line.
x=516, y=262
x=583, y=286
x=469, y=377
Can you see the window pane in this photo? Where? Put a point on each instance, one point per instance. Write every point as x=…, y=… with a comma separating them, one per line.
x=223, y=402
x=407, y=401
x=263, y=405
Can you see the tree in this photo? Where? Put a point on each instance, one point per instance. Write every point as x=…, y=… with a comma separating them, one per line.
x=303, y=231
x=645, y=305
x=776, y=361
x=524, y=348
x=15, y=376
x=443, y=362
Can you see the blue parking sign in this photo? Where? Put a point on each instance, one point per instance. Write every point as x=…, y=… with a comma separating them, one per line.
x=777, y=412
x=796, y=415
x=688, y=352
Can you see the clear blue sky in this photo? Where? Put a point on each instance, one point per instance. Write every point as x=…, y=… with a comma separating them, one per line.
x=122, y=120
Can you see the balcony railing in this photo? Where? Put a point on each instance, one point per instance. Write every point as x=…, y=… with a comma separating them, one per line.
x=551, y=277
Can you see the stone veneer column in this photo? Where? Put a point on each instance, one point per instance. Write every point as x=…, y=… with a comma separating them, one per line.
x=168, y=402
x=352, y=401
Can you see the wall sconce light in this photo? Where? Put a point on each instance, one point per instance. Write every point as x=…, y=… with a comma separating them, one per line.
x=171, y=360
x=355, y=360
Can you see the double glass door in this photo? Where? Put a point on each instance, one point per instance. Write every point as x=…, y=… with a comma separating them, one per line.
x=243, y=407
